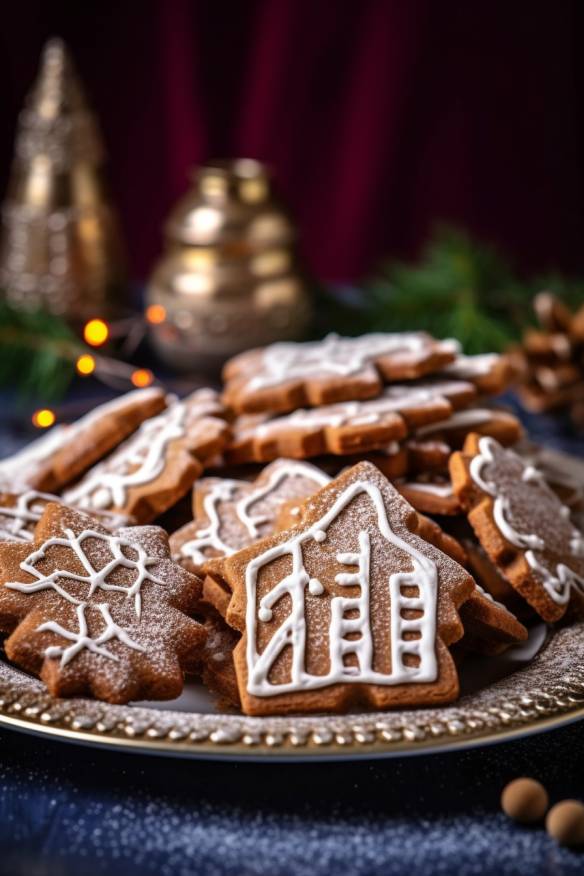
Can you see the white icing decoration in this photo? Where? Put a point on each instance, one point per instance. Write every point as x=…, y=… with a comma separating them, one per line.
x=393, y=400
x=491, y=598
x=210, y=537
x=96, y=579
x=81, y=640
x=292, y=631
x=43, y=448
x=139, y=461
x=468, y=367
x=336, y=356
x=33, y=454
x=115, y=405
x=390, y=449
x=23, y=512
x=470, y=417
x=444, y=491
x=284, y=470
x=531, y=474
x=556, y=584
x=315, y=587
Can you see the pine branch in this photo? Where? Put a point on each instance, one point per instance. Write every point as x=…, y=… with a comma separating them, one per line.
x=37, y=353
x=460, y=289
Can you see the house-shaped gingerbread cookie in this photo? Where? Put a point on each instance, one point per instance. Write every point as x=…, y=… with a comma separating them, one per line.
x=348, y=608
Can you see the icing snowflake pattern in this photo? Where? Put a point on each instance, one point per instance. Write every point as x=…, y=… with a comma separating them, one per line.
x=81, y=640
x=94, y=578
x=292, y=631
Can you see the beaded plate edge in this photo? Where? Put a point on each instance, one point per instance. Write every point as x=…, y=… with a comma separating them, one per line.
x=546, y=693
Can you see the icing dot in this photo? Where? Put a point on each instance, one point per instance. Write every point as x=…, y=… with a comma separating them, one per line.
x=315, y=587
x=319, y=535
x=265, y=614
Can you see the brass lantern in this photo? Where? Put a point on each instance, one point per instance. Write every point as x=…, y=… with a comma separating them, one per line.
x=230, y=277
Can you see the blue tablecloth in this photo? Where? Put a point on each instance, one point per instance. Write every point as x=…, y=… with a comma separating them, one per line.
x=67, y=810
x=71, y=810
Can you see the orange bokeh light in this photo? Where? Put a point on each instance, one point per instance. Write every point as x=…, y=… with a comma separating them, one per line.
x=155, y=313
x=43, y=418
x=96, y=332
x=142, y=377
x=85, y=364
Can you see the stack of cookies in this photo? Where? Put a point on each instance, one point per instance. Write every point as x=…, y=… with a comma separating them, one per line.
x=552, y=357
x=358, y=525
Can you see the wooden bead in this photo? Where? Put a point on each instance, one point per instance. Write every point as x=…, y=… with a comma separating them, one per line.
x=565, y=822
x=525, y=800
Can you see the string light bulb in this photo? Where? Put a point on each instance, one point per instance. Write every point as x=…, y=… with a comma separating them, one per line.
x=96, y=332
x=155, y=314
x=43, y=418
x=85, y=365
x=142, y=377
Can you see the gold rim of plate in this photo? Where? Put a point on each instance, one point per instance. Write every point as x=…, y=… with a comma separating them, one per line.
x=545, y=694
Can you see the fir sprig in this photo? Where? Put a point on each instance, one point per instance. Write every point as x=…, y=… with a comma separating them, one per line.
x=38, y=352
x=459, y=289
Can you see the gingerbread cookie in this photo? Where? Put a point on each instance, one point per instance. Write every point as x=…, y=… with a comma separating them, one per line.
x=61, y=455
x=348, y=427
x=564, y=474
x=21, y=511
x=489, y=626
x=286, y=376
x=231, y=514
x=101, y=613
x=488, y=577
x=215, y=591
x=521, y=523
x=350, y=607
x=218, y=668
x=485, y=421
x=155, y=467
x=427, y=455
x=490, y=372
x=32, y=466
x=430, y=494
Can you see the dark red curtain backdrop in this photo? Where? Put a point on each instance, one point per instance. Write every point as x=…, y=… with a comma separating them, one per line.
x=379, y=117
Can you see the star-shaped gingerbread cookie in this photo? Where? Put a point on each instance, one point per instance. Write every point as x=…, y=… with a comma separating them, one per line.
x=351, y=607
x=521, y=523
x=95, y=612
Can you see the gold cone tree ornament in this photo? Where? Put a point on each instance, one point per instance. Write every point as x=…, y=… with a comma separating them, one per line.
x=60, y=245
x=230, y=277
